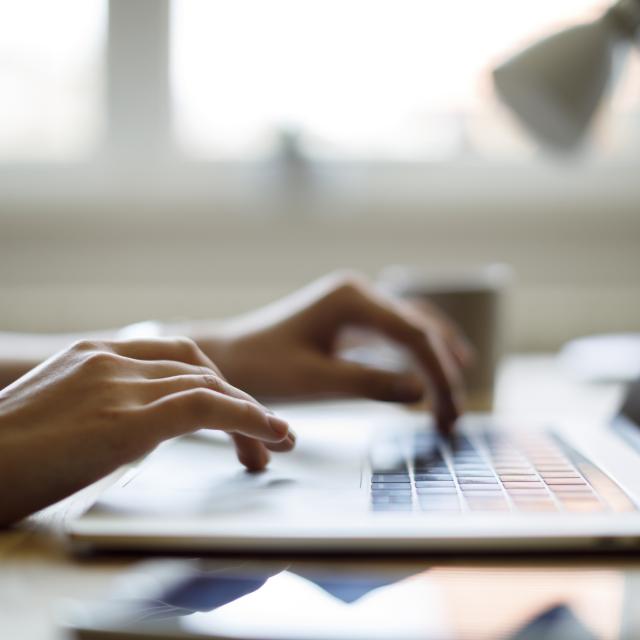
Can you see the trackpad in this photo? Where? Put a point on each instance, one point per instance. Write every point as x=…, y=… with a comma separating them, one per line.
x=200, y=474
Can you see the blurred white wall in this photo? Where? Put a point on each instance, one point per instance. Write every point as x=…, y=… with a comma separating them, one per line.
x=106, y=217
x=106, y=249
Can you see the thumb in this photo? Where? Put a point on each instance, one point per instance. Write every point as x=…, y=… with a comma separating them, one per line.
x=376, y=384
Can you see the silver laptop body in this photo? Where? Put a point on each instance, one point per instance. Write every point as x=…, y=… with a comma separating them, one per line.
x=372, y=477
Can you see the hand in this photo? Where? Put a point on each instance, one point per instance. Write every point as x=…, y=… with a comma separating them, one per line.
x=289, y=348
x=84, y=412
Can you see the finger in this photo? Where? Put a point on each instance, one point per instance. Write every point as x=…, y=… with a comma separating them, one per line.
x=351, y=378
x=251, y=453
x=175, y=349
x=158, y=369
x=186, y=411
x=147, y=390
x=442, y=372
x=254, y=454
x=284, y=445
x=453, y=336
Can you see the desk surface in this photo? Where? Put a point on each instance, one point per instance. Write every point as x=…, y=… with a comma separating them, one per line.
x=36, y=571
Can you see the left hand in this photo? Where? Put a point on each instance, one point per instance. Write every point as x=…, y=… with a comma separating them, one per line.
x=288, y=349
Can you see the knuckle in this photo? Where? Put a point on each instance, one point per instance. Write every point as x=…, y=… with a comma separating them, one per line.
x=212, y=382
x=346, y=285
x=350, y=281
x=82, y=346
x=188, y=349
x=101, y=361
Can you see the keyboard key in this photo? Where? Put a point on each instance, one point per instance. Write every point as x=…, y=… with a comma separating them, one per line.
x=390, y=477
x=431, y=491
x=394, y=499
x=524, y=484
x=477, y=480
x=391, y=485
x=518, y=477
x=497, y=493
x=559, y=474
x=426, y=484
x=566, y=482
x=527, y=492
x=468, y=488
x=433, y=476
x=476, y=474
x=390, y=492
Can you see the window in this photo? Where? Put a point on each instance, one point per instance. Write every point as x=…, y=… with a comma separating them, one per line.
x=361, y=79
x=244, y=80
x=50, y=78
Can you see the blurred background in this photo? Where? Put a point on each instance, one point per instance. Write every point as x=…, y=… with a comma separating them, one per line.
x=192, y=158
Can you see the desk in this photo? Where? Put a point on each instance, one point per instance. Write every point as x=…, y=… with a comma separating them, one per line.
x=36, y=571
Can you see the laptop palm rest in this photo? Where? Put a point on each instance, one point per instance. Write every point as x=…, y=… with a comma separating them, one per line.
x=200, y=475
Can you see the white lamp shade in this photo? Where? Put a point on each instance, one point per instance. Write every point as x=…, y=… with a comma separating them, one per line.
x=555, y=86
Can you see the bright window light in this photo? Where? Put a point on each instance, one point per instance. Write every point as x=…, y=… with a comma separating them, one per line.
x=403, y=79
x=50, y=78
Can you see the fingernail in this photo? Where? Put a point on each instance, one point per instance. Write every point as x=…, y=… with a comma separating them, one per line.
x=279, y=426
x=292, y=435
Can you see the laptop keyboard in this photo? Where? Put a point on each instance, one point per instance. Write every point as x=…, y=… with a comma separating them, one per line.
x=489, y=470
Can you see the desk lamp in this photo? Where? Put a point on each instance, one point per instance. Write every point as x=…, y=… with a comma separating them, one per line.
x=554, y=86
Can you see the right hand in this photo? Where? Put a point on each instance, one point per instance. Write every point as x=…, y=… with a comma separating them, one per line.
x=97, y=405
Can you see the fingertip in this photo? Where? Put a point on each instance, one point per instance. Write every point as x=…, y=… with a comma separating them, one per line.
x=447, y=410
x=446, y=424
x=257, y=460
x=284, y=446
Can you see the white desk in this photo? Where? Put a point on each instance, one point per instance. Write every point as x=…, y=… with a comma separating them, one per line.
x=36, y=571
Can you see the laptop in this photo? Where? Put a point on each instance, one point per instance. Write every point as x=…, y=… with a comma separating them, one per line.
x=368, y=477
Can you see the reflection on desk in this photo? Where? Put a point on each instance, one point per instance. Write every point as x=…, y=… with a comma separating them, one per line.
x=336, y=601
